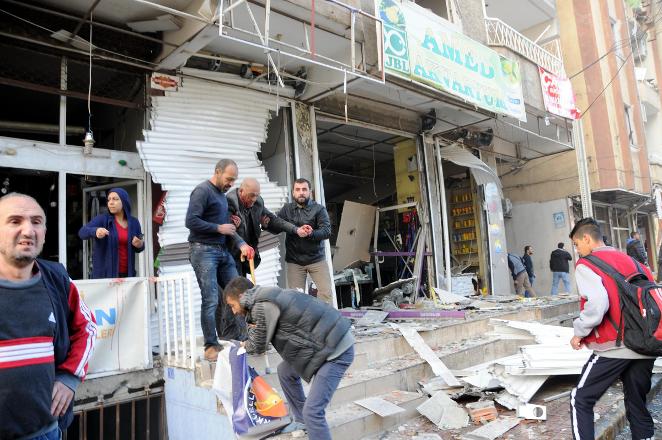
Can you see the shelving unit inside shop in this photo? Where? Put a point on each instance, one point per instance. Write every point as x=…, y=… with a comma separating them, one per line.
x=465, y=235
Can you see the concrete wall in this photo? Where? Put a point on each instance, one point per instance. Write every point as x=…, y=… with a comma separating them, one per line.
x=533, y=224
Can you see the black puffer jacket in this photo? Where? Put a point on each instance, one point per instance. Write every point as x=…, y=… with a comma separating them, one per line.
x=636, y=250
x=308, y=250
x=307, y=330
x=249, y=232
x=558, y=261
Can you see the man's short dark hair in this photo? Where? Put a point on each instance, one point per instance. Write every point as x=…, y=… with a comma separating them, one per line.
x=222, y=164
x=302, y=180
x=236, y=287
x=526, y=248
x=633, y=233
x=586, y=226
x=560, y=245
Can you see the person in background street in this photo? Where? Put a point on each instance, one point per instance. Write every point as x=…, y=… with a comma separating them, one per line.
x=528, y=263
x=208, y=221
x=558, y=264
x=47, y=333
x=304, y=251
x=635, y=248
x=594, y=328
x=117, y=238
x=520, y=276
x=249, y=215
x=313, y=338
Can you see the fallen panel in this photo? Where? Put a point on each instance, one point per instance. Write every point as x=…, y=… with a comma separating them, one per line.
x=379, y=406
x=507, y=400
x=524, y=387
x=418, y=344
x=446, y=297
x=444, y=412
x=354, y=234
x=372, y=317
x=493, y=429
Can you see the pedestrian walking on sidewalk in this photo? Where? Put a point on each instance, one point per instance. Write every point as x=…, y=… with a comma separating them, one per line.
x=528, y=264
x=313, y=338
x=208, y=221
x=520, y=276
x=560, y=267
x=596, y=329
x=636, y=249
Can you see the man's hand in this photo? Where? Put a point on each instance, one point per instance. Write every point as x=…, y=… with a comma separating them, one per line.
x=247, y=251
x=236, y=220
x=137, y=243
x=302, y=231
x=227, y=229
x=62, y=397
x=102, y=232
x=576, y=342
x=264, y=221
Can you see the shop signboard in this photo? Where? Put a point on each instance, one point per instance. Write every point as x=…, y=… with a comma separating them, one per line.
x=421, y=46
x=557, y=94
x=121, y=310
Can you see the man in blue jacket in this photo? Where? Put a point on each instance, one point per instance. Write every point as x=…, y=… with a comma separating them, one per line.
x=47, y=333
x=208, y=221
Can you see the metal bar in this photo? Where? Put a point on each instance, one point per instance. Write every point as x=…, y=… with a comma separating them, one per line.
x=267, y=13
x=101, y=423
x=173, y=11
x=444, y=216
x=159, y=310
x=117, y=421
x=133, y=420
x=70, y=93
x=74, y=50
x=84, y=18
x=399, y=254
x=374, y=246
x=85, y=425
x=191, y=321
x=409, y=314
x=172, y=287
x=148, y=423
x=401, y=206
x=62, y=217
x=352, y=39
x=231, y=7
x=182, y=318
x=167, y=321
x=63, y=102
x=406, y=262
x=265, y=43
x=80, y=427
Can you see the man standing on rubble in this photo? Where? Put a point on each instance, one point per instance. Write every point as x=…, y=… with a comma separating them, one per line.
x=47, y=333
x=313, y=338
x=208, y=221
x=560, y=267
x=596, y=329
x=304, y=251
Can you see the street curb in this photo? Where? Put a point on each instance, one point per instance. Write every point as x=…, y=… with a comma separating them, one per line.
x=611, y=423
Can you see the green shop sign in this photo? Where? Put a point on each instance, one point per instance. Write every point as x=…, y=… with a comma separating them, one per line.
x=426, y=48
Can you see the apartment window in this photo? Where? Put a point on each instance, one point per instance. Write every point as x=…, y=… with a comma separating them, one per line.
x=616, y=39
x=438, y=7
x=629, y=122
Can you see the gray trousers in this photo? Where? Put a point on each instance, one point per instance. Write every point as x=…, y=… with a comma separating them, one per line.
x=319, y=272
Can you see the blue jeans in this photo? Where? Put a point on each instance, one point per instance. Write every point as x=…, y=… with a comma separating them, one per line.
x=311, y=411
x=213, y=265
x=558, y=276
x=54, y=434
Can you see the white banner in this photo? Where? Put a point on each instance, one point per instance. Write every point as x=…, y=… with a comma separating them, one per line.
x=121, y=310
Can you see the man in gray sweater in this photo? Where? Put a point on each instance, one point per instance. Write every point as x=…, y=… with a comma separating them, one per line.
x=313, y=339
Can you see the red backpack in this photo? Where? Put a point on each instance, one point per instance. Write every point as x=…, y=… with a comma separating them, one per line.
x=640, y=328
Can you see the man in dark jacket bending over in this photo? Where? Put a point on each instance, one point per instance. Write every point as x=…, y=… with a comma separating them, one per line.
x=312, y=338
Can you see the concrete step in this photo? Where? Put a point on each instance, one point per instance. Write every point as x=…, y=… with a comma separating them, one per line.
x=352, y=421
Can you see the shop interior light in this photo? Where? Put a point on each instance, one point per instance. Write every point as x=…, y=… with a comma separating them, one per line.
x=89, y=141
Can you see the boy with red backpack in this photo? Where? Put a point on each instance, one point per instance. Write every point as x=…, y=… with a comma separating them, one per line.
x=611, y=323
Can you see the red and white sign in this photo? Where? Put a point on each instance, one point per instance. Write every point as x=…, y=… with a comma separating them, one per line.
x=160, y=81
x=557, y=94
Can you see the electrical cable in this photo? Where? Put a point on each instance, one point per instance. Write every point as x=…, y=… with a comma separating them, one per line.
x=585, y=111
x=89, y=86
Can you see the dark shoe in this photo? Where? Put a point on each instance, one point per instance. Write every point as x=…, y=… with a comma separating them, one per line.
x=294, y=426
x=211, y=353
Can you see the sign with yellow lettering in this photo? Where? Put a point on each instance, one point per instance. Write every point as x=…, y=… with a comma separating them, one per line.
x=426, y=48
x=121, y=310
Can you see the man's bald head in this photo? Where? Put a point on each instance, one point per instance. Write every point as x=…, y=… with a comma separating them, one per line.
x=11, y=198
x=249, y=191
x=22, y=234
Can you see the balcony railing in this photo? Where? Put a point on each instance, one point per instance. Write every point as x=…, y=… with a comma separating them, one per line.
x=500, y=34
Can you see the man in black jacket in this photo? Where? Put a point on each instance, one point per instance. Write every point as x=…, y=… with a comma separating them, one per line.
x=635, y=248
x=558, y=264
x=305, y=254
x=313, y=339
x=250, y=217
x=528, y=263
